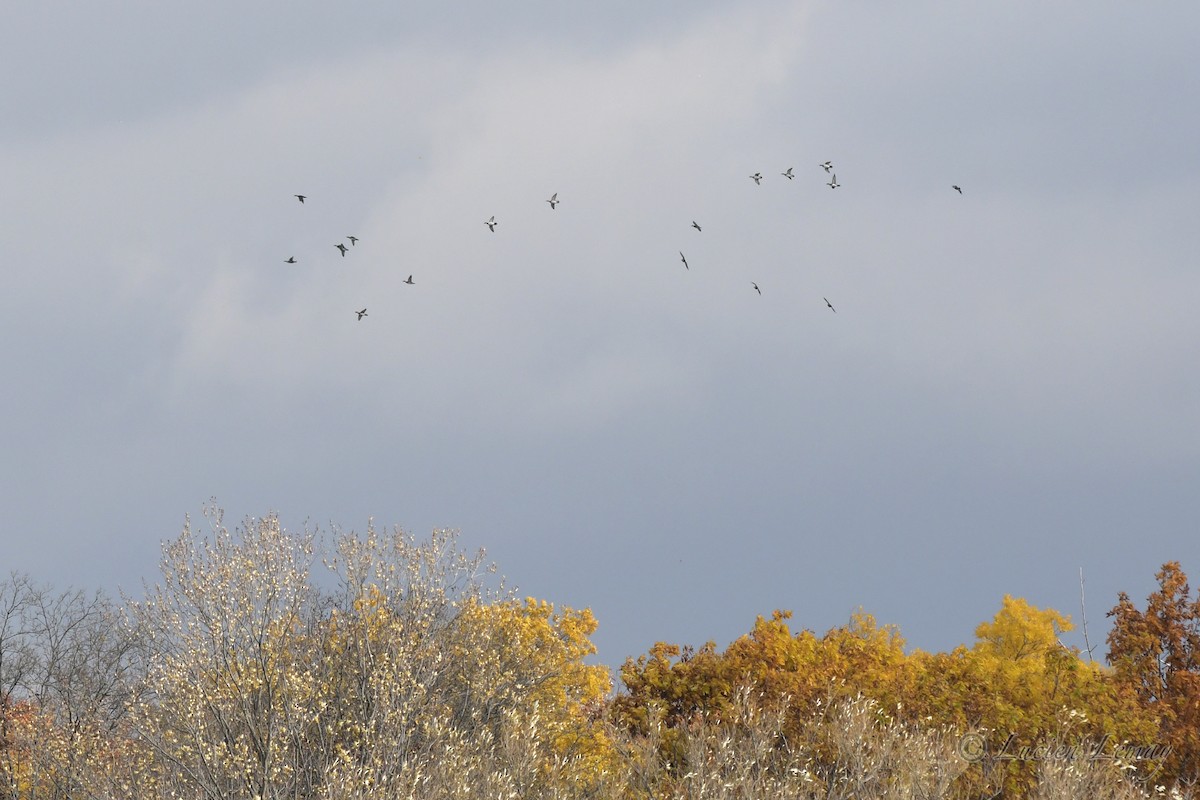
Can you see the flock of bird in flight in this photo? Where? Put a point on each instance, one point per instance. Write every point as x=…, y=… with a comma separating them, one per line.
x=491, y=224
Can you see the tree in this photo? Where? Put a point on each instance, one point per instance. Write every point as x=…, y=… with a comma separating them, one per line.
x=438, y=675
x=65, y=681
x=259, y=684
x=1016, y=680
x=1024, y=663
x=1022, y=688
x=231, y=691
x=860, y=657
x=1156, y=653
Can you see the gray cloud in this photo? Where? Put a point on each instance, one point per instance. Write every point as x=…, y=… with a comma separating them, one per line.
x=1005, y=393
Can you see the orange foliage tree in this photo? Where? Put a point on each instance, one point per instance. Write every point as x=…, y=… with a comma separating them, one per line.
x=1156, y=654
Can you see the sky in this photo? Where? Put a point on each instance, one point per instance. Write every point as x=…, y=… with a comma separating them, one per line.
x=1007, y=392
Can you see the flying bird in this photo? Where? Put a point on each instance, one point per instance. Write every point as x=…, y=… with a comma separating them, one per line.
x=409, y=280
x=826, y=165
x=361, y=314
x=694, y=225
x=300, y=197
x=553, y=201
x=831, y=308
x=491, y=223
x=833, y=184
x=353, y=240
x=757, y=178
x=755, y=285
x=341, y=247
x=788, y=174
x=957, y=189
x=683, y=258
x=290, y=260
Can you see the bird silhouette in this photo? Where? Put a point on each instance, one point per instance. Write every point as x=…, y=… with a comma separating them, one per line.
x=755, y=285
x=757, y=178
x=833, y=184
x=353, y=240
x=553, y=201
x=694, y=225
x=300, y=197
x=788, y=174
x=491, y=223
x=361, y=314
x=683, y=258
x=409, y=280
x=827, y=166
x=957, y=189
x=341, y=247
x=831, y=308
x=290, y=260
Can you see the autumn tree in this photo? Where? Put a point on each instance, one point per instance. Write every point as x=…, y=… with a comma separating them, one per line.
x=443, y=672
x=1156, y=653
x=861, y=657
x=1024, y=663
x=1020, y=686
x=528, y=656
x=65, y=683
x=17, y=665
x=1017, y=680
x=232, y=696
x=411, y=666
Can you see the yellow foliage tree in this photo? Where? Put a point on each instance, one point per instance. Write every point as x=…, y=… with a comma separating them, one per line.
x=1024, y=664
x=1021, y=688
x=530, y=657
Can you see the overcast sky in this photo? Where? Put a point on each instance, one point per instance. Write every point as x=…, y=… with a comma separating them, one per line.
x=1008, y=391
